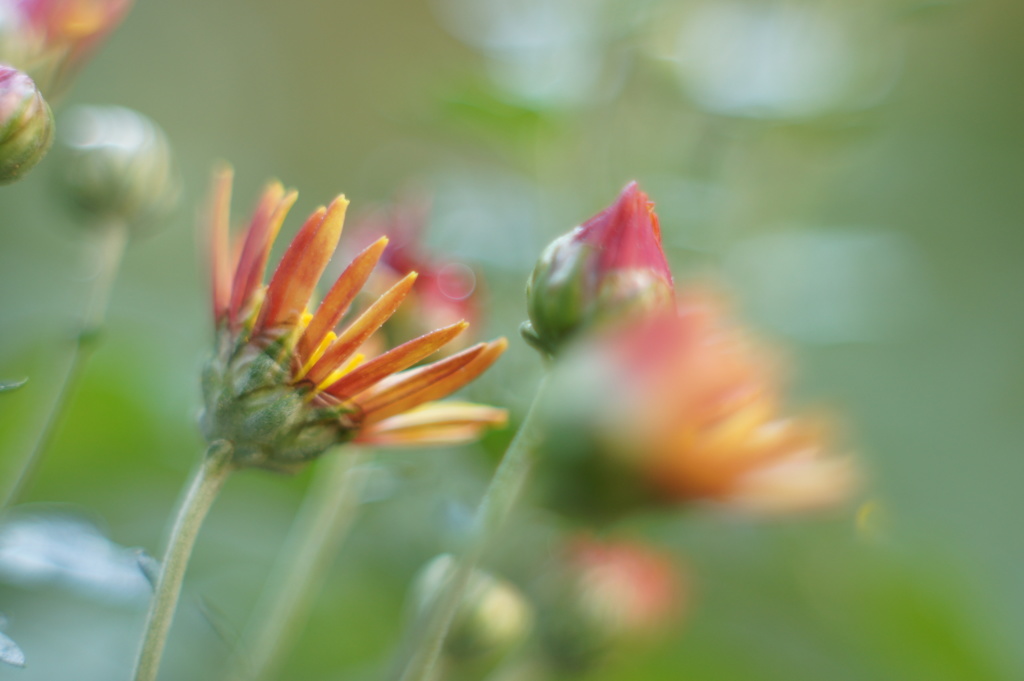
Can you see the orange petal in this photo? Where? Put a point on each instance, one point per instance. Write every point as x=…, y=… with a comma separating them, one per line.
x=435, y=424
x=336, y=303
x=266, y=223
x=442, y=387
x=218, y=225
x=301, y=267
x=404, y=383
x=409, y=394
x=396, y=359
x=361, y=329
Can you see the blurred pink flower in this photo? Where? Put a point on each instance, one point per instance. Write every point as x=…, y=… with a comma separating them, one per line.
x=638, y=588
x=604, y=594
x=52, y=39
x=446, y=290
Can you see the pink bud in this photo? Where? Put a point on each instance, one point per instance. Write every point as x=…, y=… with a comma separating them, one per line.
x=604, y=594
x=26, y=124
x=610, y=268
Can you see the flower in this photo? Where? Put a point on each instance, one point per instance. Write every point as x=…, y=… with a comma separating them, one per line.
x=26, y=125
x=51, y=39
x=686, y=407
x=609, y=268
x=446, y=290
x=605, y=593
x=282, y=386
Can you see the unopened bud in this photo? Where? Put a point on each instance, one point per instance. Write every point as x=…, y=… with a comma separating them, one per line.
x=117, y=165
x=609, y=268
x=492, y=618
x=603, y=595
x=26, y=124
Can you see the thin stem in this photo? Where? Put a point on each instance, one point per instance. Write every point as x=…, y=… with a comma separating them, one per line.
x=494, y=508
x=202, y=491
x=110, y=254
x=298, y=577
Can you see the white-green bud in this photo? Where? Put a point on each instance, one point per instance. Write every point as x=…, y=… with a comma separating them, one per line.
x=117, y=166
x=492, y=619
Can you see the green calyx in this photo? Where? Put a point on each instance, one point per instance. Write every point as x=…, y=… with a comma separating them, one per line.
x=250, y=402
x=557, y=292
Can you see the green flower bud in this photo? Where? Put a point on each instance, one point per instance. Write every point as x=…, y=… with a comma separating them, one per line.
x=26, y=125
x=493, y=618
x=609, y=268
x=117, y=166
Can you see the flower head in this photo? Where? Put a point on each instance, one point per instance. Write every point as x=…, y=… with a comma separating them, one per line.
x=688, y=408
x=283, y=385
x=610, y=267
x=446, y=290
x=26, y=124
x=605, y=593
x=52, y=38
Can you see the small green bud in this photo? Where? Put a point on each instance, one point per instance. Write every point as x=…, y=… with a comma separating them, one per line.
x=492, y=619
x=26, y=125
x=609, y=268
x=117, y=165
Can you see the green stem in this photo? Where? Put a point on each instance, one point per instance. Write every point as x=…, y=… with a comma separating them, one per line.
x=494, y=508
x=110, y=254
x=202, y=491
x=299, y=576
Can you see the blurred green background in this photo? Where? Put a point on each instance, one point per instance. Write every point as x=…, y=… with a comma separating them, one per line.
x=852, y=170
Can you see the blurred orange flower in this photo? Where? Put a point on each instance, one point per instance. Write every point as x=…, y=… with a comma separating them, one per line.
x=698, y=413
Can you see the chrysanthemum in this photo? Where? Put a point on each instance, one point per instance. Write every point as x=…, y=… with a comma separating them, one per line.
x=685, y=407
x=284, y=384
x=701, y=417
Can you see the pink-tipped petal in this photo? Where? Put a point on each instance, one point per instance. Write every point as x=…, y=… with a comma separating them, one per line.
x=628, y=235
x=337, y=301
x=218, y=225
x=252, y=262
x=302, y=266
